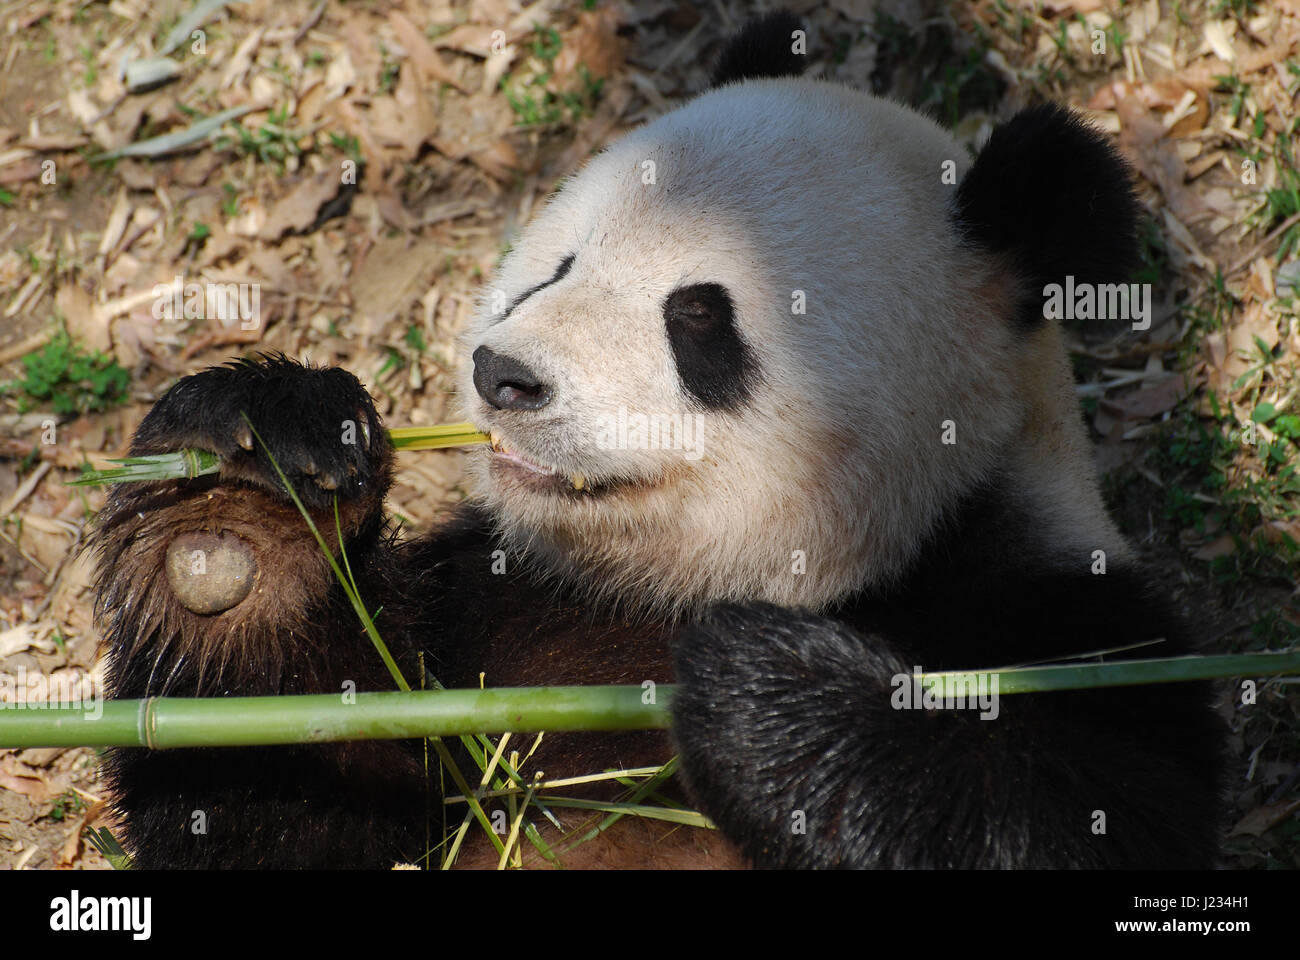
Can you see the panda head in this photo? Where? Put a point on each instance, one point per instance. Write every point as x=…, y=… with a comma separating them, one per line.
x=723, y=361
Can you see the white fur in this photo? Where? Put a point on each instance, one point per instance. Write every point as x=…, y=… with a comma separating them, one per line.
x=769, y=187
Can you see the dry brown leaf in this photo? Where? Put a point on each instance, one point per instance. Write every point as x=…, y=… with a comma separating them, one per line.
x=482, y=121
x=222, y=337
x=472, y=38
x=1218, y=36
x=1192, y=120
x=406, y=120
x=1203, y=163
x=1219, y=547
x=422, y=54
x=242, y=60
x=1151, y=401
x=195, y=170
x=16, y=155
x=310, y=104
x=342, y=113
x=1161, y=95
x=116, y=225
x=136, y=175
x=298, y=209
x=20, y=638
x=268, y=263
x=1232, y=353
x=44, y=540
x=71, y=848
x=18, y=778
x=1203, y=72
x=593, y=42
x=142, y=221
x=392, y=209
x=1276, y=531
x=23, y=171
x=54, y=141
x=124, y=121
x=75, y=826
x=393, y=276
x=78, y=309
x=1142, y=139
x=359, y=33
x=1265, y=817
x=36, y=757
x=329, y=269
x=340, y=76
x=1259, y=281
x=498, y=161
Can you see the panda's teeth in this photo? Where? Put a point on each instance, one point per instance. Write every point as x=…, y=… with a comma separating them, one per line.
x=577, y=481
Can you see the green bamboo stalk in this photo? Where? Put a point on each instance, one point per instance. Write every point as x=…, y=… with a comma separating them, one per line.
x=182, y=465
x=162, y=722
x=436, y=438
x=188, y=464
x=1120, y=673
x=318, y=718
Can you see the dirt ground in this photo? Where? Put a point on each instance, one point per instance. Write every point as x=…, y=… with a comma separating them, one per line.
x=458, y=119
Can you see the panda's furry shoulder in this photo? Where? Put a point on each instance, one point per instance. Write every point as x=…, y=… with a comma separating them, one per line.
x=777, y=417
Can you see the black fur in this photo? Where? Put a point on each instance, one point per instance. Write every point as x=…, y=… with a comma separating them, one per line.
x=715, y=365
x=762, y=48
x=1052, y=195
x=781, y=711
x=320, y=423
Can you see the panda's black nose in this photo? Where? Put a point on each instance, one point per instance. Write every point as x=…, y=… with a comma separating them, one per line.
x=507, y=384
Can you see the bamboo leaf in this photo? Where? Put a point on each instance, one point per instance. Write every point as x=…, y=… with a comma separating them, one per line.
x=179, y=139
x=183, y=465
x=197, y=16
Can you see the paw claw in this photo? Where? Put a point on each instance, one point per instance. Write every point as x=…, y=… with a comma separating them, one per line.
x=244, y=436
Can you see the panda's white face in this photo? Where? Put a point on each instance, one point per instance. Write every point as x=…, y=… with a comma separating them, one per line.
x=768, y=283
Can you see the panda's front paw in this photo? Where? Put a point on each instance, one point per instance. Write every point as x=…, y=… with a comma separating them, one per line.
x=318, y=425
x=772, y=709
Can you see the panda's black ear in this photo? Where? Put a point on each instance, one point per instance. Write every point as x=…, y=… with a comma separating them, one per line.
x=764, y=47
x=1050, y=192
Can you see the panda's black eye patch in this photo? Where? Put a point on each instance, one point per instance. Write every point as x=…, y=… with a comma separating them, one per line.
x=714, y=363
x=560, y=272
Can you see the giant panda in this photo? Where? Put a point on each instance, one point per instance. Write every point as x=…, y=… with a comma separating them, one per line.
x=885, y=469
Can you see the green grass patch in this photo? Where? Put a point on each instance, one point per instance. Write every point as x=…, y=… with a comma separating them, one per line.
x=69, y=379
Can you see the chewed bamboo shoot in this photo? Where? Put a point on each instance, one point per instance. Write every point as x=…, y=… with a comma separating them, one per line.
x=187, y=464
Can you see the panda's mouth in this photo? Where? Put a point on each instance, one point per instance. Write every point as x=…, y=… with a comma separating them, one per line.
x=529, y=473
